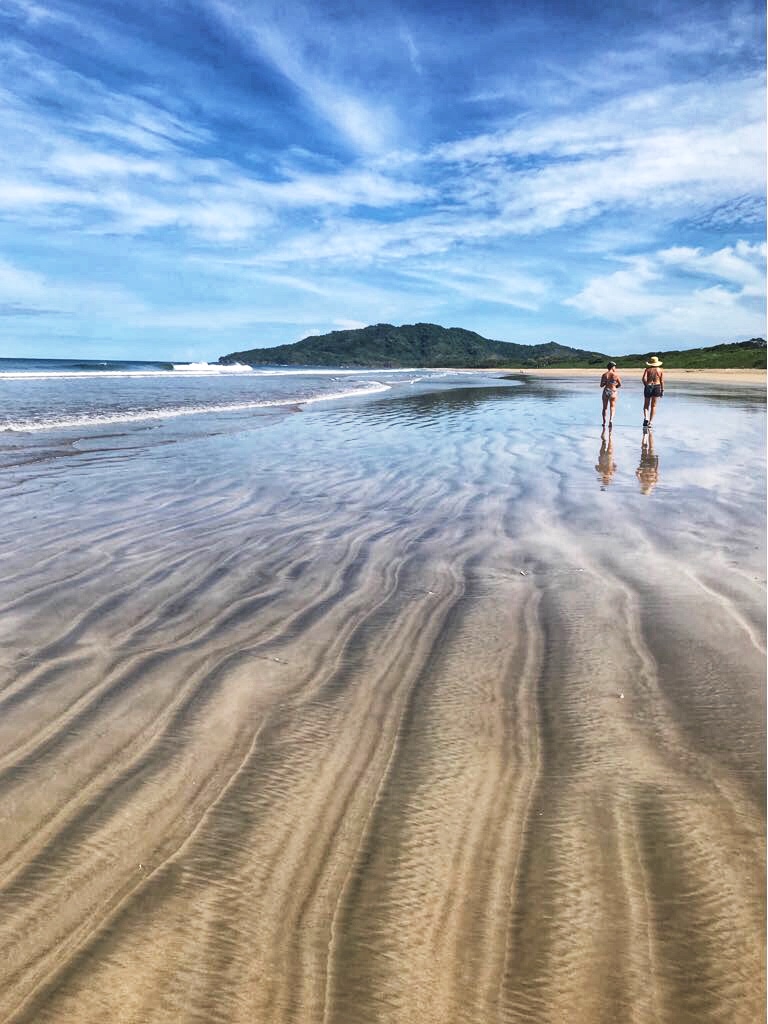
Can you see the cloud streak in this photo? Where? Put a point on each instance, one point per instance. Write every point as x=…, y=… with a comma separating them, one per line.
x=353, y=164
x=724, y=299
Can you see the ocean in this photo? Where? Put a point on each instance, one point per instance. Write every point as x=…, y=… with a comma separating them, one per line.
x=55, y=394
x=47, y=403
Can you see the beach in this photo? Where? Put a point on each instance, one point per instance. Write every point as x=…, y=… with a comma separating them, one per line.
x=737, y=378
x=426, y=705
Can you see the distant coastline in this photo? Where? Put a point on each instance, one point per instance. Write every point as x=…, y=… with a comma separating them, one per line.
x=431, y=346
x=735, y=377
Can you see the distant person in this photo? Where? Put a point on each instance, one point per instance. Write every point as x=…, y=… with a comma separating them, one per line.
x=653, y=382
x=648, y=470
x=605, y=467
x=610, y=382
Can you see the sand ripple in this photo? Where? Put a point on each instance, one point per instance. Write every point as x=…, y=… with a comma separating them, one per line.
x=419, y=738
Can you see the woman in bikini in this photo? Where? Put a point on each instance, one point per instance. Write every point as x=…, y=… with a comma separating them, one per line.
x=653, y=383
x=610, y=382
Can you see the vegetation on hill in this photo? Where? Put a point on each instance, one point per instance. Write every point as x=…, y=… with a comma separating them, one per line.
x=739, y=355
x=411, y=345
x=424, y=345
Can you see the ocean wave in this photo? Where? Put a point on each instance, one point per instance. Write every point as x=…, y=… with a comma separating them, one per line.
x=198, y=369
x=172, y=412
x=188, y=369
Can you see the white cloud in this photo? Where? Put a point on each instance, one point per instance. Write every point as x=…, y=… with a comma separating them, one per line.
x=506, y=286
x=95, y=302
x=622, y=294
x=740, y=264
x=69, y=296
x=675, y=151
x=349, y=325
x=369, y=126
x=411, y=49
x=282, y=215
x=85, y=163
x=32, y=13
x=15, y=195
x=348, y=188
x=17, y=284
x=651, y=289
x=672, y=148
x=684, y=147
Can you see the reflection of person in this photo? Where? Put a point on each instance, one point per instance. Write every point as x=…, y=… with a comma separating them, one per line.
x=606, y=467
x=648, y=470
x=610, y=382
x=653, y=384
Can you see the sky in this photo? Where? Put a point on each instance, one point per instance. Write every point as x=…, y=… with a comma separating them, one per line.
x=180, y=179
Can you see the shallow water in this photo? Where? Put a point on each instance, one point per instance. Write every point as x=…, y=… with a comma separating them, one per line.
x=66, y=395
x=423, y=706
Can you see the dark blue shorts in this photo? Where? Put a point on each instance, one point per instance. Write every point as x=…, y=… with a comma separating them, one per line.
x=653, y=391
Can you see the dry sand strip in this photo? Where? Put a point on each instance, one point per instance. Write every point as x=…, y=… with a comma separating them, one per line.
x=737, y=378
x=413, y=746
x=734, y=377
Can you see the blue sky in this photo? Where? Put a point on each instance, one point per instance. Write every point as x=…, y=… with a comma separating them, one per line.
x=187, y=178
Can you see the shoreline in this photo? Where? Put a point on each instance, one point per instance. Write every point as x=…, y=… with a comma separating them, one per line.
x=736, y=377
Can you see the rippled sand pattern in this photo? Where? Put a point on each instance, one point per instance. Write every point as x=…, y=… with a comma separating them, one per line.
x=386, y=713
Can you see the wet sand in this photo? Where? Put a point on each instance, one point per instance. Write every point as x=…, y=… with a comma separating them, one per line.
x=431, y=708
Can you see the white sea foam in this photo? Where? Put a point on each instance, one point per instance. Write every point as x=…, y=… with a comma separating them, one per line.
x=204, y=369
x=172, y=412
x=188, y=369
x=193, y=370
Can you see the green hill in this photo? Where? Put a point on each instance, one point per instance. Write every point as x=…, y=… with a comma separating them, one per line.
x=427, y=345
x=739, y=355
x=412, y=345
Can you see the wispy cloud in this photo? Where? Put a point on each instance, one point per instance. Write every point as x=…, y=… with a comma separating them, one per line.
x=79, y=162
x=742, y=264
x=368, y=125
x=349, y=325
x=31, y=293
x=411, y=49
x=322, y=165
x=504, y=286
x=723, y=302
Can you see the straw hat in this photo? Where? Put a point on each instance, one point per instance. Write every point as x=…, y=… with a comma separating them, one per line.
x=654, y=361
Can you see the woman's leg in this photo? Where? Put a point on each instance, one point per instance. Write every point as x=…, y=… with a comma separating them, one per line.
x=605, y=406
x=613, y=410
x=653, y=410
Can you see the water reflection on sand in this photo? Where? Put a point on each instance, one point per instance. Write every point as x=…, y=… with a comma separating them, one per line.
x=388, y=711
x=648, y=470
x=606, y=467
